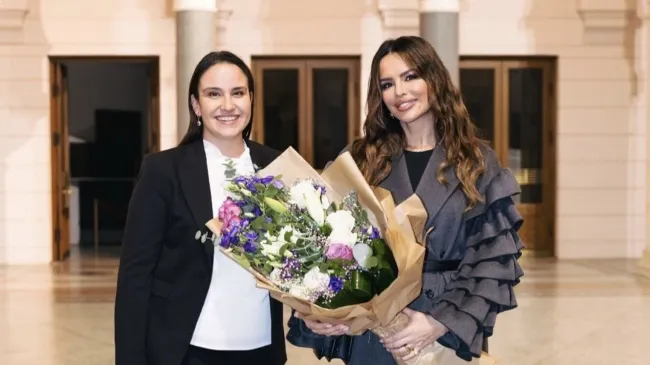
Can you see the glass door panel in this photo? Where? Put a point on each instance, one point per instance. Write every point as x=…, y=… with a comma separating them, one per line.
x=281, y=108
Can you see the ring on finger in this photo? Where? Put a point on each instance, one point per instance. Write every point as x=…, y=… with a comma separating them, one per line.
x=411, y=349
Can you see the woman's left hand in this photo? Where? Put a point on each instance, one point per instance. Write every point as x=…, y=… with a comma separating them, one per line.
x=421, y=331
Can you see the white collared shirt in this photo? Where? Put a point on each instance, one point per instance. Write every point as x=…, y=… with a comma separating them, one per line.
x=236, y=314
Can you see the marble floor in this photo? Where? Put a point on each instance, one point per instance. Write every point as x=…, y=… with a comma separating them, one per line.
x=570, y=312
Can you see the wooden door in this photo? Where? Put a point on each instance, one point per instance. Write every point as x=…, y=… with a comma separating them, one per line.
x=60, y=160
x=153, y=139
x=512, y=103
x=309, y=104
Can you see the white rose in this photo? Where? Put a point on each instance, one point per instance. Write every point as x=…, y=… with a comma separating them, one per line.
x=306, y=196
x=342, y=223
x=341, y=220
x=342, y=237
x=298, y=191
x=316, y=281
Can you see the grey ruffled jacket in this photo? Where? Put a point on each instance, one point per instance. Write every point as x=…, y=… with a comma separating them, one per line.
x=483, y=246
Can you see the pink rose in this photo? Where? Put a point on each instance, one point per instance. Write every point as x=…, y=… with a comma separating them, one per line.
x=229, y=214
x=339, y=251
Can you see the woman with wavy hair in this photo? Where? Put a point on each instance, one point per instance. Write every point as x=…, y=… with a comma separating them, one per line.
x=419, y=139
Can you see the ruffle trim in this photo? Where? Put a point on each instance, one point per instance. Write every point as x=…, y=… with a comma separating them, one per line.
x=483, y=285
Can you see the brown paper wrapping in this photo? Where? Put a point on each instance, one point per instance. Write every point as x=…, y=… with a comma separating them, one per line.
x=397, y=224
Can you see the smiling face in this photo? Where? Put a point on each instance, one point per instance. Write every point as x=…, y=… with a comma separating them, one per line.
x=224, y=102
x=403, y=91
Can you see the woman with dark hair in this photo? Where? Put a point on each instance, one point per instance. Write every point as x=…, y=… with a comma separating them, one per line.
x=419, y=138
x=180, y=301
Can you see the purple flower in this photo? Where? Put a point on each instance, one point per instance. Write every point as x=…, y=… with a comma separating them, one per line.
x=339, y=251
x=227, y=240
x=256, y=211
x=269, y=220
x=291, y=265
x=267, y=180
x=230, y=237
x=251, y=235
x=250, y=247
x=322, y=188
x=239, y=180
x=336, y=284
x=278, y=184
x=250, y=186
x=375, y=233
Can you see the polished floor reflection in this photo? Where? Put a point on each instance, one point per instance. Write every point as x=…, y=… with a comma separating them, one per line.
x=574, y=312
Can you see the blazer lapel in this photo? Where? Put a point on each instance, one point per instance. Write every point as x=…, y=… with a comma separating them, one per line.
x=398, y=181
x=193, y=175
x=261, y=155
x=434, y=195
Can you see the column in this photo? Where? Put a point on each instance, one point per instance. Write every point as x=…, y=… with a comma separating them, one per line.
x=644, y=263
x=644, y=67
x=439, y=26
x=195, y=37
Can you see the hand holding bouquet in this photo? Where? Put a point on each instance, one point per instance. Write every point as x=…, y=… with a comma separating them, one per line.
x=328, y=246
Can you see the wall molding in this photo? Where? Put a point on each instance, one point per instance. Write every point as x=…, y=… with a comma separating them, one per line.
x=606, y=22
x=221, y=18
x=446, y=6
x=399, y=14
x=13, y=14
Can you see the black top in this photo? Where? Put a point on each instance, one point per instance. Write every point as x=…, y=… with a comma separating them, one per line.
x=416, y=162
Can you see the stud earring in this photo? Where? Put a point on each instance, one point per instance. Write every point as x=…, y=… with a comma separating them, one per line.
x=198, y=121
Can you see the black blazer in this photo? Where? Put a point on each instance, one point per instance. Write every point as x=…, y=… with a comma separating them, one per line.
x=164, y=273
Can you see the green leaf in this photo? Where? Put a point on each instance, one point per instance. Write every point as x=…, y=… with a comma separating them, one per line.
x=379, y=247
x=242, y=261
x=271, y=192
x=383, y=279
x=326, y=229
x=287, y=236
x=371, y=262
x=283, y=249
x=258, y=223
x=357, y=289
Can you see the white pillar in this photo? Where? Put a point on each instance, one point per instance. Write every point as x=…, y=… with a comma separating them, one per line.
x=195, y=37
x=439, y=26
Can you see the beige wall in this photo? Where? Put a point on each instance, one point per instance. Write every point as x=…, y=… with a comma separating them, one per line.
x=56, y=28
x=601, y=116
x=601, y=145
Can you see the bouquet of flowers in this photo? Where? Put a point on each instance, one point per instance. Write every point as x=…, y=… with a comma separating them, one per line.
x=316, y=250
x=327, y=245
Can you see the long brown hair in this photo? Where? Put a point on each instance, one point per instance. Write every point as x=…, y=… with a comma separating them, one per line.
x=384, y=137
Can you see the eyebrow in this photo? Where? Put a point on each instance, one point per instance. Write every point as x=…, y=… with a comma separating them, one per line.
x=400, y=75
x=236, y=88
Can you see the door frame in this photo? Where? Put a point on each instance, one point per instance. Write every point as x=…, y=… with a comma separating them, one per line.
x=305, y=65
x=59, y=144
x=548, y=64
